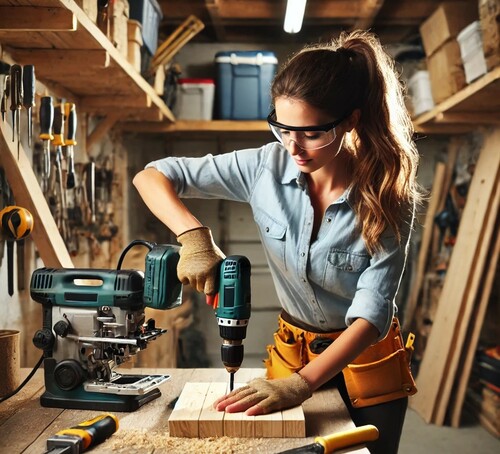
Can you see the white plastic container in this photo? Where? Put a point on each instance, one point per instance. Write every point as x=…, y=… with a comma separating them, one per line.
x=195, y=99
x=419, y=86
x=471, y=50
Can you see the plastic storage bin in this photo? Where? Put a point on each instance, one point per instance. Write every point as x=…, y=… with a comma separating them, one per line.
x=195, y=99
x=148, y=13
x=471, y=50
x=244, y=83
x=419, y=86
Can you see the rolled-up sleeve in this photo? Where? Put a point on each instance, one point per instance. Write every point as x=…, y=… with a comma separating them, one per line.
x=230, y=176
x=378, y=284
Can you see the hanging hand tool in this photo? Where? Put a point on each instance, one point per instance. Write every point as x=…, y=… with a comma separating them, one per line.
x=85, y=435
x=70, y=112
x=16, y=100
x=16, y=223
x=5, y=96
x=337, y=441
x=46, y=123
x=90, y=183
x=59, y=143
x=29, y=96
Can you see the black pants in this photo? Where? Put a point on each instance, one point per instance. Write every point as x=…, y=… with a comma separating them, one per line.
x=388, y=418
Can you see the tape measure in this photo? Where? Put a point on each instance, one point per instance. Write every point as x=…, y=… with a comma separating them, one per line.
x=17, y=222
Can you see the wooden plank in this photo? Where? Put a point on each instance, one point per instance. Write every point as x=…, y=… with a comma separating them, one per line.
x=442, y=338
x=437, y=188
x=33, y=18
x=269, y=426
x=184, y=420
x=211, y=422
x=28, y=194
x=469, y=300
x=61, y=61
x=477, y=324
x=293, y=422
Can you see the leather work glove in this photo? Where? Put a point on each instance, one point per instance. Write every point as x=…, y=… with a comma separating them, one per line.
x=199, y=260
x=263, y=396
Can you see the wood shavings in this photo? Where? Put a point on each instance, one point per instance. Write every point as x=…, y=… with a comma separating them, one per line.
x=144, y=441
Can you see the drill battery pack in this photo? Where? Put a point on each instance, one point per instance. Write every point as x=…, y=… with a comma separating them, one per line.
x=162, y=288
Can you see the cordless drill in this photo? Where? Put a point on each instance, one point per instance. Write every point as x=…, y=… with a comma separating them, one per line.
x=232, y=309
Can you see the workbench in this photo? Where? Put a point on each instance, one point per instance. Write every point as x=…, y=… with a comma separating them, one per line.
x=25, y=425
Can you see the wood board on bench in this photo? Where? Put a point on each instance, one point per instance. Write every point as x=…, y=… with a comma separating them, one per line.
x=195, y=417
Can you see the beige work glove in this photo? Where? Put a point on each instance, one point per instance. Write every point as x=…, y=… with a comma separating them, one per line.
x=261, y=396
x=199, y=260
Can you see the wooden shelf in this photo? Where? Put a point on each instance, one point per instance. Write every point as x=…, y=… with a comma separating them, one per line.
x=478, y=104
x=71, y=53
x=208, y=126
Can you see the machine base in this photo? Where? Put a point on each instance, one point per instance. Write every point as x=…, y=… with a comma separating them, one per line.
x=80, y=399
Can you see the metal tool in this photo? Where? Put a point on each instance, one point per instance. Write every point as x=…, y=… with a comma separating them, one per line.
x=232, y=309
x=29, y=96
x=70, y=113
x=46, y=122
x=16, y=223
x=16, y=98
x=338, y=441
x=5, y=96
x=83, y=436
x=58, y=143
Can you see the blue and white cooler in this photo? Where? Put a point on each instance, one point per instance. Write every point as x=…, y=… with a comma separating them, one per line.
x=243, y=89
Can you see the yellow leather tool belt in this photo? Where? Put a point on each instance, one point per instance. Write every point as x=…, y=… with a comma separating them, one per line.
x=380, y=374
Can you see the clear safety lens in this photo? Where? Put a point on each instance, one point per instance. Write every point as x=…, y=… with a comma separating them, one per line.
x=307, y=140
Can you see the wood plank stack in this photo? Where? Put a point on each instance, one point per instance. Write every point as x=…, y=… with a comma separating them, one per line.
x=445, y=368
x=195, y=417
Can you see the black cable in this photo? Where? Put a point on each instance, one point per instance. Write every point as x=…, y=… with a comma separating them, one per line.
x=26, y=380
x=148, y=244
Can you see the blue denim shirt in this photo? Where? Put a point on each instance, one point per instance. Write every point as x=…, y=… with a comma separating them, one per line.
x=326, y=283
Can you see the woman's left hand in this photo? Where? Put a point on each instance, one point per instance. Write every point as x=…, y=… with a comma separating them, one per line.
x=261, y=396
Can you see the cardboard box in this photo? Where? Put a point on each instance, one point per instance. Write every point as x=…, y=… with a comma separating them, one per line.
x=446, y=22
x=489, y=16
x=446, y=71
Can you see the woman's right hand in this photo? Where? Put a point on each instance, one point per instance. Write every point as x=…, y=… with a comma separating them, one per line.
x=199, y=260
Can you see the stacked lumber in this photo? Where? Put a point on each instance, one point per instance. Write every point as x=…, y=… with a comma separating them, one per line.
x=445, y=368
x=194, y=417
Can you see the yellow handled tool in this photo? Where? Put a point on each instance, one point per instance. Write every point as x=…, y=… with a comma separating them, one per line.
x=79, y=438
x=337, y=441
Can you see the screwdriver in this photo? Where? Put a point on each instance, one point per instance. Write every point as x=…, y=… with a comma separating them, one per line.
x=85, y=435
x=46, y=122
x=29, y=96
x=70, y=112
x=16, y=99
x=59, y=143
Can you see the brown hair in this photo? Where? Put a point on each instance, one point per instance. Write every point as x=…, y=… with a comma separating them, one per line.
x=355, y=72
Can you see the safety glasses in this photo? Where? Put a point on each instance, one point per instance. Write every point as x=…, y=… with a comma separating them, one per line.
x=305, y=137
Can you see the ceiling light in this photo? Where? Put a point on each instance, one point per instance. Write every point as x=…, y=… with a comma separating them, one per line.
x=294, y=15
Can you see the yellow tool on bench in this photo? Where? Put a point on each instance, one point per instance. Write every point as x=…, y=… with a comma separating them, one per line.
x=336, y=441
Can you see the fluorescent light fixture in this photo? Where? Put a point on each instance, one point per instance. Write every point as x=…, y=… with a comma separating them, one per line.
x=294, y=15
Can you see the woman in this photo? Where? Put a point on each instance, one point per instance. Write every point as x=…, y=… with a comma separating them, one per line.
x=333, y=199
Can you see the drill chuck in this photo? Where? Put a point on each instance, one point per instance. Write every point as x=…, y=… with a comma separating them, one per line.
x=232, y=352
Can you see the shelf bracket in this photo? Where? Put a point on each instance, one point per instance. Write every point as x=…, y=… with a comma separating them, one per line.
x=101, y=130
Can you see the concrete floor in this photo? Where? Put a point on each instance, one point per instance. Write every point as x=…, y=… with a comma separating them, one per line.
x=421, y=438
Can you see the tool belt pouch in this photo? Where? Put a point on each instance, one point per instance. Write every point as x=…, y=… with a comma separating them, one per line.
x=382, y=372
x=285, y=356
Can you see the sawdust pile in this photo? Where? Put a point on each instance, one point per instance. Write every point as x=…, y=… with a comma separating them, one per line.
x=143, y=441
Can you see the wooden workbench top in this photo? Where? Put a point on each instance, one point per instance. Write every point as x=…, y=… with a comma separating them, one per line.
x=25, y=425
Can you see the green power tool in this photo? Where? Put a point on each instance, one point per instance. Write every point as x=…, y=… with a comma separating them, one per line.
x=232, y=309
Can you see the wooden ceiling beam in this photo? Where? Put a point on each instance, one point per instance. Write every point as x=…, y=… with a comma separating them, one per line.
x=213, y=8
x=368, y=10
x=33, y=18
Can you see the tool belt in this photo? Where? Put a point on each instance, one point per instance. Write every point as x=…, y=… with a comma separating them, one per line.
x=380, y=374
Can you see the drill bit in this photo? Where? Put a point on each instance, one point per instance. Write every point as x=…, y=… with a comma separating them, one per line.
x=231, y=381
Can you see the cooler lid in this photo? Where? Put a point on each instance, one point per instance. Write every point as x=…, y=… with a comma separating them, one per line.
x=248, y=57
x=190, y=80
